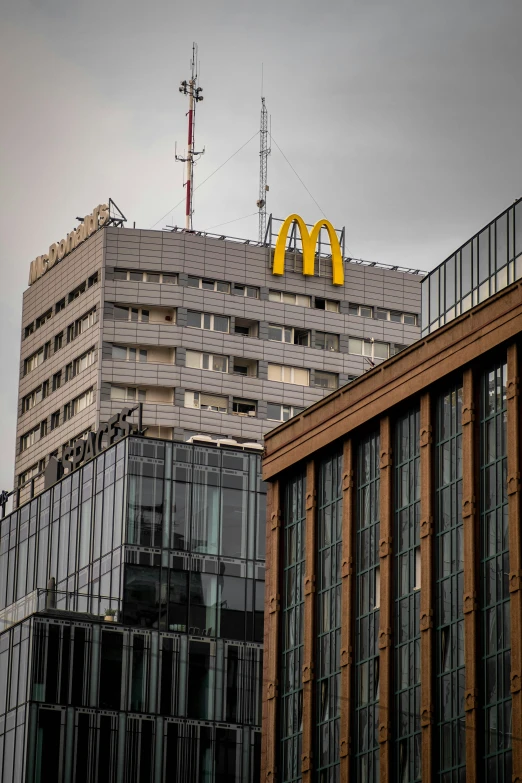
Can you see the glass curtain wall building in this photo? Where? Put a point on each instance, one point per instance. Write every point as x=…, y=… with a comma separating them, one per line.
x=487, y=263
x=132, y=617
x=419, y=461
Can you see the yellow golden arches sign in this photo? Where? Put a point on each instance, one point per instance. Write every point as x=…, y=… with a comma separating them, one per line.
x=309, y=242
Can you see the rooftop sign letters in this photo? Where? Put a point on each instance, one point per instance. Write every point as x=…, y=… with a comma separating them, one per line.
x=85, y=449
x=309, y=242
x=58, y=250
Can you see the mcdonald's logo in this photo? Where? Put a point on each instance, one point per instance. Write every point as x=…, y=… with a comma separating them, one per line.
x=309, y=242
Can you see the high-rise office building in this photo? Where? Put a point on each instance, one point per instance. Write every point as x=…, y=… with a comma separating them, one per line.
x=132, y=620
x=393, y=617
x=197, y=328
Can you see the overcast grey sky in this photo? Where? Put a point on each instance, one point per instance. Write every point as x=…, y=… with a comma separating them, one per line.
x=403, y=118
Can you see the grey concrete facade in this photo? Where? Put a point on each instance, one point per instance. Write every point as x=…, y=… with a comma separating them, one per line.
x=164, y=378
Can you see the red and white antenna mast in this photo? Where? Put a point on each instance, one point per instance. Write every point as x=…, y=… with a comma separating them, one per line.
x=191, y=89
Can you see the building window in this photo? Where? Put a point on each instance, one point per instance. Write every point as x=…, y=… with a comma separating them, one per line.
x=243, y=407
x=287, y=334
x=43, y=318
x=93, y=279
x=57, y=380
x=245, y=290
x=206, y=361
x=58, y=341
x=33, y=361
x=59, y=306
x=129, y=354
x=326, y=341
x=367, y=601
x=326, y=380
x=407, y=597
x=449, y=575
x=494, y=614
x=287, y=297
x=77, y=292
x=332, y=305
x=82, y=401
x=396, y=316
x=371, y=348
x=27, y=475
x=34, y=397
x=245, y=367
x=47, y=349
x=298, y=375
x=215, y=323
x=246, y=328
x=145, y=277
x=30, y=438
x=208, y=285
x=292, y=605
x=135, y=314
x=55, y=420
x=276, y=412
x=81, y=325
x=84, y=361
x=328, y=605
x=128, y=394
x=363, y=310
x=206, y=402
x=29, y=330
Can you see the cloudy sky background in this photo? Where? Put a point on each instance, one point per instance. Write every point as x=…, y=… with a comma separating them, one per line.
x=402, y=117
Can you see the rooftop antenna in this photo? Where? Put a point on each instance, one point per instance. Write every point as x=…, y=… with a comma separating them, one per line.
x=191, y=89
x=264, y=152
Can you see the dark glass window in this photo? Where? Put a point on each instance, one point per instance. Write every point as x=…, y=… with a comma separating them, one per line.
x=203, y=604
x=291, y=701
x=328, y=664
x=180, y=533
x=234, y=518
x=145, y=507
x=200, y=701
x=367, y=601
x=178, y=601
x=407, y=599
x=494, y=557
x=48, y=733
x=449, y=590
x=141, y=597
x=111, y=670
x=231, y=603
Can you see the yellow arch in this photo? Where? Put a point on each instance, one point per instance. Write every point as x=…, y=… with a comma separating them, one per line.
x=309, y=242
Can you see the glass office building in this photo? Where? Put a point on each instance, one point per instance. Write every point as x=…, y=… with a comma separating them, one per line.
x=394, y=565
x=484, y=265
x=132, y=618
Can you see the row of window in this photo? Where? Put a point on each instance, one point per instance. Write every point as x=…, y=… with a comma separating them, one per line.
x=326, y=341
x=284, y=297
x=382, y=314
x=218, y=403
x=79, y=326
x=60, y=416
x=59, y=306
x=59, y=378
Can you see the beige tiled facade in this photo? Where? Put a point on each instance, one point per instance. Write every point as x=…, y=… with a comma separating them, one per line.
x=164, y=377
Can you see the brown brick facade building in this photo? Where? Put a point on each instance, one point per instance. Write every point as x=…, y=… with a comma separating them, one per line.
x=393, y=636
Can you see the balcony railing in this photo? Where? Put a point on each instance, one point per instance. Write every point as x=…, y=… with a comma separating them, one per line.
x=43, y=599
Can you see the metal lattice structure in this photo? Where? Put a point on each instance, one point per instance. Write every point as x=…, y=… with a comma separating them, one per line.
x=191, y=89
x=264, y=152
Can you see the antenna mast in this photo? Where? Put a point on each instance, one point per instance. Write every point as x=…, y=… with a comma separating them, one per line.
x=191, y=89
x=264, y=152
